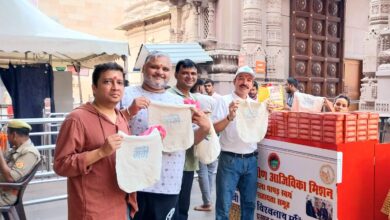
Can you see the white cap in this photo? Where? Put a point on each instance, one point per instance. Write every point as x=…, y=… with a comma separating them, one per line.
x=245, y=69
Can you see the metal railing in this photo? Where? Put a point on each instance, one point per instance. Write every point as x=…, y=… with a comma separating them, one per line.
x=45, y=174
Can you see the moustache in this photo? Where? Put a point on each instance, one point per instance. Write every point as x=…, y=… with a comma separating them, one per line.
x=243, y=85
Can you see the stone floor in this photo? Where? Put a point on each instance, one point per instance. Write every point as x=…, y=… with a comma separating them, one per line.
x=58, y=210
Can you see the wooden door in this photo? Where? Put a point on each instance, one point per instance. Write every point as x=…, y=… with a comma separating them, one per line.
x=316, y=45
x=352, y=77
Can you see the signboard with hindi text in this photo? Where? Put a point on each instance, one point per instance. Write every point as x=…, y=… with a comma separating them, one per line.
x=297, y=182
x=260, y=66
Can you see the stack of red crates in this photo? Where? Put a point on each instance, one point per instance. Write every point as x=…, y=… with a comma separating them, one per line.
x=271, y=125
x=304, y=126
x=350, y=126
x=280, y=124
x=361, y=125
x=316, y=130
x=372, y=126
x=292, y=124
x=332, y=126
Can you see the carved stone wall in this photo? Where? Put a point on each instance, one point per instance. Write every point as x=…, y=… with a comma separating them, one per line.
x=379, y=12
x=377, y=53
x=257, y=29
x=251, y=39
x=274, y=40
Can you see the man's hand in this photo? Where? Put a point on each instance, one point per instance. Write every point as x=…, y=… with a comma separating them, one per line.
x=200, y=118
x=5, y=170
x=233, y=106
x=270, y=106
x=138, y=104
x=112, y=143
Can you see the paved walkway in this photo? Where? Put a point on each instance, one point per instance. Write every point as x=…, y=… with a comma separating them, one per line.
x=58, y=210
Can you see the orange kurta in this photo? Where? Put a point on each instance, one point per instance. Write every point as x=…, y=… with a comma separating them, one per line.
x=93, y=191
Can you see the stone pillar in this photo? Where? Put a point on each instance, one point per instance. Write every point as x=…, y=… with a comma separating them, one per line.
x=176, y=21
x=223, y=22
x=275, y=61
x=211, y=32
x=193, y=29
x=251, y=33
x=379, y=12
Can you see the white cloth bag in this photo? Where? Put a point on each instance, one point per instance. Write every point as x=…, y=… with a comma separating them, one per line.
x=252, y=121
x=177, y=121
x=208, y=150
x=138, y=161
x=307, y=103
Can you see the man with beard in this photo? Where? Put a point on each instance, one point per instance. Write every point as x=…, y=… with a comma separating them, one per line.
x=159, y=201
x=237, y=168
x=291, y=87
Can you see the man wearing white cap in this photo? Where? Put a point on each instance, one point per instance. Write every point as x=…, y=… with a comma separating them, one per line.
x=238, y=160
x=19, y=161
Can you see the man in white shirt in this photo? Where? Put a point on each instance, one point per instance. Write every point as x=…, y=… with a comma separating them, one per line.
x=209, y=87
x=158, y=202
x=237, y=168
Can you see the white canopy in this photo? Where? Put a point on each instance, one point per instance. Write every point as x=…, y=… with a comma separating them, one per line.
x=24, y=28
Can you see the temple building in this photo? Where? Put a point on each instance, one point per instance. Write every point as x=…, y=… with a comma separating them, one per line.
x=320, y=42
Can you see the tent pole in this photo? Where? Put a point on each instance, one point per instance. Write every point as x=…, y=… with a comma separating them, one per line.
x=125, y=66
x=77, y=67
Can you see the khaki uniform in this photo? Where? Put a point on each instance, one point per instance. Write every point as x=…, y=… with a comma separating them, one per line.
x=21, y=161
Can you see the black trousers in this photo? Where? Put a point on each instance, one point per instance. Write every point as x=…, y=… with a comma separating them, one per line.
x=154, y=206
x=183, y=204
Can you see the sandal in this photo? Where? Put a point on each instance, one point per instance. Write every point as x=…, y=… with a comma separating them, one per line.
x=205, y=208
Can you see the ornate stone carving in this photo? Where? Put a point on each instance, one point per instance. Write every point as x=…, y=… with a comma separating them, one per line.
x=331, y=70
x=317, y=48
x=300, y=68
x=274, y=36
x=211, y=32
x=333, y=9
x=332, y=49
x=301, y=46
x=331, y=89
x=316, y=89
x=301, y=5
x=375, y=9
x=332, y=29
x=317, y=27
x=379, y=13
x=385, y=8
x=301, y=25
x=252, y=23
x=318, y=6
x=301, y=87
x=316, y=69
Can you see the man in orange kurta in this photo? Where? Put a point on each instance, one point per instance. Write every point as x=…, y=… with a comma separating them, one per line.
x=85, y=151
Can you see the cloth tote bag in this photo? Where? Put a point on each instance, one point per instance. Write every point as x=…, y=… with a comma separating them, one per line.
x=252, y=121
x=138, y=161
x=307, y=103
x=177, y=121
x=207, y=151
